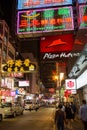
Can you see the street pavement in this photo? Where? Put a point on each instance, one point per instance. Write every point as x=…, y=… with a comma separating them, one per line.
x=30, y=120
x=76, y=125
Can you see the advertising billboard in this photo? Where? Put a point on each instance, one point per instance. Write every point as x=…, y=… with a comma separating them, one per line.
x=82, y=1
x=45, y=20
x=30, y=4
x=24, y=83
x=56, y=43
x=7, y=83
x=56, y=47
x=83, y=16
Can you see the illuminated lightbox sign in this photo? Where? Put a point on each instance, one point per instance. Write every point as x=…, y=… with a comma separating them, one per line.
x=82, y=1
x=83, y=16
x=56, y=43
x=70, y=84
x=45, y=20
x=29, y=4
x=23, y=83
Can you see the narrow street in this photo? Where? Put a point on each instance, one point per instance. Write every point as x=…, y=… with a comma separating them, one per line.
x=40, y=120
x=43, y=119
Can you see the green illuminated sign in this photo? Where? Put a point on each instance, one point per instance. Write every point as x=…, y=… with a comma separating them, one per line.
x=54, y=19
x=48, y=14
x=64, y=11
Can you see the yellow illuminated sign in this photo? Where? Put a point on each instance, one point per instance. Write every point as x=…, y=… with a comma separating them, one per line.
x=18, y=66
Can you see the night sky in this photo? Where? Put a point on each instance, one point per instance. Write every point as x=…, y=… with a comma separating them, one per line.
x=8, y=13
x=6, y=10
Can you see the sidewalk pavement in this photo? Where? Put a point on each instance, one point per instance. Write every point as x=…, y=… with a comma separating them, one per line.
x=76, y=125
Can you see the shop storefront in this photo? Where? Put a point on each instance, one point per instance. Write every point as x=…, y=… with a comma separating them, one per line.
x=81, y=82
x=7, y=92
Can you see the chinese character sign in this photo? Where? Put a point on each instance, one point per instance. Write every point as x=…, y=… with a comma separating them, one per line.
x=18, y=66
x=45, y=20
x=30, y=4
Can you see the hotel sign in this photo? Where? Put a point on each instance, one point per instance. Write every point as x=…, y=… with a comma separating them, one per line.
x=45, y=20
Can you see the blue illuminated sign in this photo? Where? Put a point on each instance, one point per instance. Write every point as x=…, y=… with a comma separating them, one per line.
x=82, y=1
x=28, y=4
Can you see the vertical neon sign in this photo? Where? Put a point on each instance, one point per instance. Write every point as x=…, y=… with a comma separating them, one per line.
x=82, y=1
x=83, y=16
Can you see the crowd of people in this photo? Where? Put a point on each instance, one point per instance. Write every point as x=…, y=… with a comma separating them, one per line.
x=67, y=112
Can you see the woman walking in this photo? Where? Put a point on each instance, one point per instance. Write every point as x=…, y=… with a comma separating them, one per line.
x=69, y=115
x=59, y=118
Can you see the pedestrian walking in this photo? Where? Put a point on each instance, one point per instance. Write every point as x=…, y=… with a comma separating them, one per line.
x=83, y=113
x=63, y=106
x=69, y=115
x=59, y=118
x=74, y=110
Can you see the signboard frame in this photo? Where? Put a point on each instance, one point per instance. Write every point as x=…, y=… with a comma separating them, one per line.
x=83, y=16
x=32, y=4
x=45, y=20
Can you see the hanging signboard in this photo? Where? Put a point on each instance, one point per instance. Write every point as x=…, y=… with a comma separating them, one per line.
x=83, y=16
x=57, y=47
x=57, y=43
x=30, y=4
x=82, y=1
x=18, y=66
x=45, y=20
x=70, y=84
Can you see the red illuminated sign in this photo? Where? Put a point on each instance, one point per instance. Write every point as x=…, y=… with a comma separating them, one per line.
x=16, y=74
x=4, y=92
x=70, y=84
x=51, y=90
x=45, y=20
x=56, y=47
x=57, y=43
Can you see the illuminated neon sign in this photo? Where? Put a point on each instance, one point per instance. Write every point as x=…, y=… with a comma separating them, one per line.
x=82, y=1
x=18, y=66
x=29, y=4
x=56, y=43
x=83, y=16
x=45, y=20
